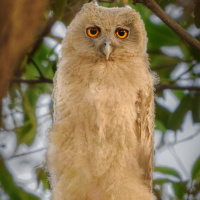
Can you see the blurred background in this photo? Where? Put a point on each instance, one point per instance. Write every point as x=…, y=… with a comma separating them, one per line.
x=31, y=33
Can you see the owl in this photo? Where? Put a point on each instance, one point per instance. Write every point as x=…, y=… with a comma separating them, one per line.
x=101, y=141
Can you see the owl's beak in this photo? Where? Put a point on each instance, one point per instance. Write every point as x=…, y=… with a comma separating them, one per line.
x=107, y=48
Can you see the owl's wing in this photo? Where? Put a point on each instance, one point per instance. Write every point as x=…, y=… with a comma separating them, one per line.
x=145, y=131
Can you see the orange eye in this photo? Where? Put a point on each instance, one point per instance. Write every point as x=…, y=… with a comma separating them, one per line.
x=93, y=31
x=122, y=33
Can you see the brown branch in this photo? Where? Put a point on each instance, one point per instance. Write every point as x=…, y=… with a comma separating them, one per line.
x=188, y=138
x=155, y=8
x=185, y=72
x=165, y=147
x=164, y=66
x=160, y=67
x=160, y=88
x=24, y=154
x=41, y=80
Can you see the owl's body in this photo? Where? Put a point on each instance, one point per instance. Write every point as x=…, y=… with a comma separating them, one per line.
x=101, y=143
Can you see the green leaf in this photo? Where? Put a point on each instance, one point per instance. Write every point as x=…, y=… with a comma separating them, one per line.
x=9, y=186
x=160, y=35
x=176, y=118
x=27, y=132
x=194, y=53
x=196, y=169
x=54, y=67
x=173, y=121
x=160, y=126
x=196, y=108
x=162, y=115
x=180, y=190
x=168, y=171
x=144, y=11
x=179, y=94
x=42, y=176
x=160, y=181
x=163, y=3
x=163, y=61
x=163, y=65
x=41, y=59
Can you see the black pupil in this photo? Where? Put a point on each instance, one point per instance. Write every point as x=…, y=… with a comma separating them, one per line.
x=93, y=31
x=121, y=32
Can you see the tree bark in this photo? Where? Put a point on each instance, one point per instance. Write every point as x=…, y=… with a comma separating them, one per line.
x=20, y=22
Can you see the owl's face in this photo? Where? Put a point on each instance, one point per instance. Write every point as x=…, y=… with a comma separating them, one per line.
x=106, y=44
x=106, y=33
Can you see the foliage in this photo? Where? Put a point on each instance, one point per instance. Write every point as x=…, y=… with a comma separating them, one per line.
x=38, y=68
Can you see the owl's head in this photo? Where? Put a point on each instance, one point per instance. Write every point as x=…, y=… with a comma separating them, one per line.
x=105, y=33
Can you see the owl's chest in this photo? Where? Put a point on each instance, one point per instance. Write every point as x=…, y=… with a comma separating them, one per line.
x=112, y=106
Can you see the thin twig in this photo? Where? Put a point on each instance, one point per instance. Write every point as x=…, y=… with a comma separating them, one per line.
x=41, y=80
x=188, y=138
x=27, y=153
x=160, y=88
x=37, y=67
x=185, y=72
x=155, y=8
x=169, y=65
x=180, y=141
x=164, y=66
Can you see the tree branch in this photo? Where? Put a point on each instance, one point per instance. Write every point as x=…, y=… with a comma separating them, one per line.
x=160, y=88
x=155, y=8
x=160, y=67
x=188, y=138
x=185, y=72
x=179, y=141
x=24, y=154
x=41, y=80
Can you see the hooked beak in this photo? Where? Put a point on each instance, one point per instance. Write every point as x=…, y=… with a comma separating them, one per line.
x=107, y=48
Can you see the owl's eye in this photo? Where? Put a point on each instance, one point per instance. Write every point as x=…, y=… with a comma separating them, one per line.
x=93, y=31
x=121, y=33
